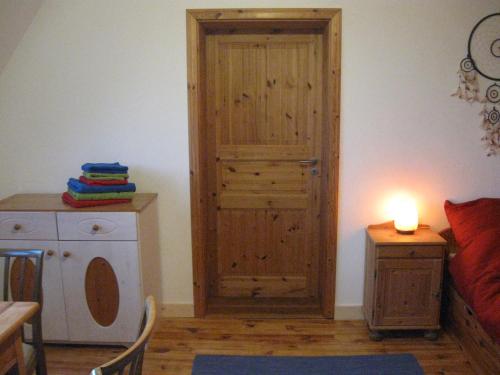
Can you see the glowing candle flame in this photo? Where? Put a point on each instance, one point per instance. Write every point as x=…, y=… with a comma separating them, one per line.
x=406, y=215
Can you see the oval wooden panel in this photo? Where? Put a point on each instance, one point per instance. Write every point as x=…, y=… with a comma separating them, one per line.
x=29, y=281
x=15, y=280
x=102, y=292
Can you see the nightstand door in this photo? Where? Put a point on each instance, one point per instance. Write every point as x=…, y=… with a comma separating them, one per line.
x=408, y=292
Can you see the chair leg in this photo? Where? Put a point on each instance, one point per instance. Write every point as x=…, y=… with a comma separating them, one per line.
x=41, y=364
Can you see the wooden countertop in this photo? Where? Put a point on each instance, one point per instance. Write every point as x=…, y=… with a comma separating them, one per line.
x=53, y=202
x=385, y=234
x=13, y=315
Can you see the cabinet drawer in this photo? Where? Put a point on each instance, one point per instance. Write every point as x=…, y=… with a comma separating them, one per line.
x=410, y=251
x=28, y=226
x=97, y=226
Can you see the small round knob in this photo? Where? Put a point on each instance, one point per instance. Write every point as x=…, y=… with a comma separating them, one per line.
x=17, y=226
x=50, y=253
x=95, y=227
x=66, y=254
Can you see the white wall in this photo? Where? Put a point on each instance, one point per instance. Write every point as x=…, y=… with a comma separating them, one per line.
x=106, y=80
x=15, y=18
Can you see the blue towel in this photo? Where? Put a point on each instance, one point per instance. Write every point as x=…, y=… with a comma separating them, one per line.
x=80, y=187
x=104, y=168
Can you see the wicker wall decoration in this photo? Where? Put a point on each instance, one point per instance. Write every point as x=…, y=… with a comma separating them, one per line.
x=483, y=60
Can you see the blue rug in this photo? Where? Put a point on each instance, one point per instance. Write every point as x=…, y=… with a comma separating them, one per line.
x=393, y=364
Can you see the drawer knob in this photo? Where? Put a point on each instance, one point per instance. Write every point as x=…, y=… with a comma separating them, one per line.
x=50, y=253
x=66, y=254
x=412, y=253
x=95, y=227
x=17, y=226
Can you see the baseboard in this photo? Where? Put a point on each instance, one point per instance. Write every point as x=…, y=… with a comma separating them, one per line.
x=177, y=310
x=186, y=310
x=349, y=312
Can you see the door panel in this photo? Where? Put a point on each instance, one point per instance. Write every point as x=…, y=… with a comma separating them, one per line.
x=119, y=319
x=263, y=112
x=53, y=309
x=253, y=242
x=265, y=86
x=263, y=176
x=409, y=292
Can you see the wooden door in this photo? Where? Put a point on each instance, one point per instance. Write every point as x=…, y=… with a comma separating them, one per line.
x=261, y=84
x=53, y=307
x=101, y=280
x=408, y=292
x=264, y=97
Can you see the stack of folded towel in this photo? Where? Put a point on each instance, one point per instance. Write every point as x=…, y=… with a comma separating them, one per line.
x=100, y=184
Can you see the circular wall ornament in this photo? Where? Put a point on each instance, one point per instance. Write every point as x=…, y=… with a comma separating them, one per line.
x=493, y=93
x=493, y=116
x=466, y=65
x=483, y=60
x=484, y=47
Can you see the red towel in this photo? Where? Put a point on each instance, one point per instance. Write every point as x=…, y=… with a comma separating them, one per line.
x=67, y=198
x=88, y=181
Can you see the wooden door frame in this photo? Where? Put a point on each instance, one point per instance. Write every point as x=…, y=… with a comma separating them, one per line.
x=198, y=22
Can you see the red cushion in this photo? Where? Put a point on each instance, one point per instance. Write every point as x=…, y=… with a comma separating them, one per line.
x=469, y=219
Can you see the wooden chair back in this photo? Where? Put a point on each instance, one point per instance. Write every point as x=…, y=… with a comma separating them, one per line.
x=133, y=357
x=22, y=281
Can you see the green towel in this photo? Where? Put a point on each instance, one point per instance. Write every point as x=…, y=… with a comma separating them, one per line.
x=104, y=176
x=100, y=196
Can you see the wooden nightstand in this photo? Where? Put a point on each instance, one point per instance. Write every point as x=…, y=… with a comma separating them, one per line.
x=403, y=275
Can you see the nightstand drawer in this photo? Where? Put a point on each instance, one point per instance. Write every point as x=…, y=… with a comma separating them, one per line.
x=413, y=251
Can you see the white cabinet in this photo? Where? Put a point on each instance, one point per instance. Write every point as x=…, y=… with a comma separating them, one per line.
x=98, y=269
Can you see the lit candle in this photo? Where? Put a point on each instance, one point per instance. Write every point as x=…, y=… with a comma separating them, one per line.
x=406, y=216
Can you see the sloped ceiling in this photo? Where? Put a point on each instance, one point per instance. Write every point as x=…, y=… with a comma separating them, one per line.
x=15, y=18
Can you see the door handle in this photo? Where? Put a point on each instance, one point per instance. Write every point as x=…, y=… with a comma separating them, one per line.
x=311, y=162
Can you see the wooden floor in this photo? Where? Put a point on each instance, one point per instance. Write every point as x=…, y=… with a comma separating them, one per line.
x=176, y=342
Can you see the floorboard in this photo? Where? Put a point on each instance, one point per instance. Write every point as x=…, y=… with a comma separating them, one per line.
x=176, y=341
